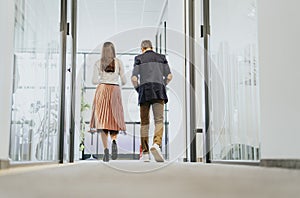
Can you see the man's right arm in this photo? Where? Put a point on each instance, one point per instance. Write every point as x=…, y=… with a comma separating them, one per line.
x=134, y=81
x=169, y=78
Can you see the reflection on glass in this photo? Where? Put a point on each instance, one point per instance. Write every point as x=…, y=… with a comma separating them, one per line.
x=34, y=122
x=234, y=92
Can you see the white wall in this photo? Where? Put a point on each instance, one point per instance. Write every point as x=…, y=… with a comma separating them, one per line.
x=279, y=41
x=6, y=63
x=175, y=46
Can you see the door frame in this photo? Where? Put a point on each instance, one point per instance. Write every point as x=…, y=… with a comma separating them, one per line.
x=206, y=34
x=65, y=31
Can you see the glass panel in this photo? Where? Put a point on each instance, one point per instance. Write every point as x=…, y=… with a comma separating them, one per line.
x=34, y=123
x=233, y=80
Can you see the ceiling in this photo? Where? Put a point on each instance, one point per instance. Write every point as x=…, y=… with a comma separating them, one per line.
x=99, y=20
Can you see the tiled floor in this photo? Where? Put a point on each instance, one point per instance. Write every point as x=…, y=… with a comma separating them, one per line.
x=137, y=179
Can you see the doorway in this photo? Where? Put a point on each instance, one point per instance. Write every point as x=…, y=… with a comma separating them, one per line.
x=125, y=23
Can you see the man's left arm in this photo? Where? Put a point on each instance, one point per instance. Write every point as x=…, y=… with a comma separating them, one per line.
x=135, y=73
x=167, y=71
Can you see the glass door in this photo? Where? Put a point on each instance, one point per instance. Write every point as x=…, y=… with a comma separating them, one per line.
x=42, y=89
x=36, y=93
x=232, y=79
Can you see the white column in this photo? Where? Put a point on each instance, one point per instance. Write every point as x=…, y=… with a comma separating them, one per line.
x=279, y=42
x=6, y=65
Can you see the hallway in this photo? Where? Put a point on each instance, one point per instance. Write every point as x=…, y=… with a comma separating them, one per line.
x=137, y=179
x=233, y=98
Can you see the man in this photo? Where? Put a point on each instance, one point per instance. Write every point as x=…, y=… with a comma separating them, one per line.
x=151, y=74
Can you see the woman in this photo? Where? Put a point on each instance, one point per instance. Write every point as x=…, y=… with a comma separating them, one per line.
x=107, y=113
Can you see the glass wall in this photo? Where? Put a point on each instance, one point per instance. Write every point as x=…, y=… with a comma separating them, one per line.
x=35, y=100
x=233, y=83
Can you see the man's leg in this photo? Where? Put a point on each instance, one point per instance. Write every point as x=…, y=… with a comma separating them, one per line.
x=158, y=112
x=144, y=114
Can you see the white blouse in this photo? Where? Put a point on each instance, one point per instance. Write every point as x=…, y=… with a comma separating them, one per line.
x=100, y=76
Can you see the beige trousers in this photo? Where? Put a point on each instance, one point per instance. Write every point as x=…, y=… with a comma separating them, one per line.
x=158, y=112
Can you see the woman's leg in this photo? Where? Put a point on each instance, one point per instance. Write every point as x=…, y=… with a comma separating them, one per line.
x=114, y=147
x=104, y=137
x=113, y=135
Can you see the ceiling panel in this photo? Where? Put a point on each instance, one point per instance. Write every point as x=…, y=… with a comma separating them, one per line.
x=100, y=19
x=130, y=6
x=98, y=6
x=150, y=18
x=129, y=19
x=154, y=5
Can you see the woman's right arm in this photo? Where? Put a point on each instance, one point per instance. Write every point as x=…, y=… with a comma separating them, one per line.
x=96, y=74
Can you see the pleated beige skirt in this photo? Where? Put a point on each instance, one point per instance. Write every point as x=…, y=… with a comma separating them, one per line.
x=107, y=112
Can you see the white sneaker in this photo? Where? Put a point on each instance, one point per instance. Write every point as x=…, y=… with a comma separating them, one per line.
x=156, y=152
x=145, y=157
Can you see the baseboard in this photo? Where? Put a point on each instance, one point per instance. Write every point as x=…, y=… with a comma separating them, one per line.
x=120, y=156
x=281, y=163
x=199, y=159
x=31, y=163
x=236, y=162
x=4, y=164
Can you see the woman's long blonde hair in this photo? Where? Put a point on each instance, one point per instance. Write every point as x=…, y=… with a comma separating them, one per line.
x=107, y=57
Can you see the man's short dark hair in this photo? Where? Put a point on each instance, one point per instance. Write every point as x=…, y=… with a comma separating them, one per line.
x=146, y=44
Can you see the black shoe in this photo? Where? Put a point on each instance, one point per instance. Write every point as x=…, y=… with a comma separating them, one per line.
x=114, y=150
x=106, y=155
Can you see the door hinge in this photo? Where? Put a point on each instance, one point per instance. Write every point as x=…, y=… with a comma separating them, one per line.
x=68, y=28
x=204, y=31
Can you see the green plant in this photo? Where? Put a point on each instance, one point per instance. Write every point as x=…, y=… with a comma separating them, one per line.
x=84, y=107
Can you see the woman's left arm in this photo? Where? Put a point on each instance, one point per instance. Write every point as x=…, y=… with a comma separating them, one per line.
x=95, y=78
x=122, y=73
